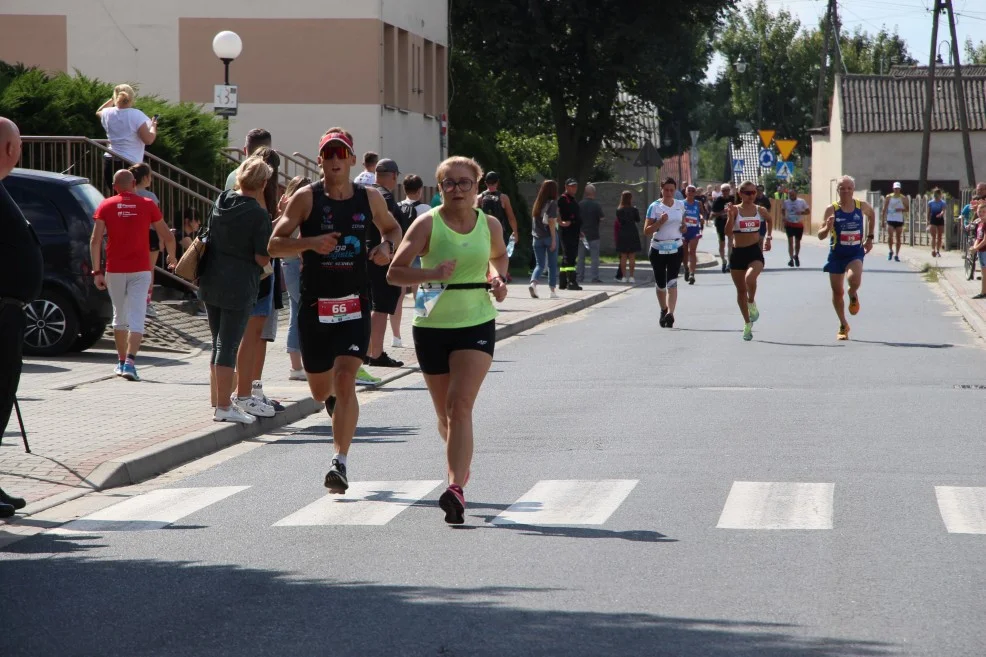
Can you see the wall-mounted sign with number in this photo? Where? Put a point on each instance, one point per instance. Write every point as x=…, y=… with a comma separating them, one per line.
x=224, y=100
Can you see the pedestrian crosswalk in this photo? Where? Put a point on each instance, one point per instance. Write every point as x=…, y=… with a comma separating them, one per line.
x=749, y=505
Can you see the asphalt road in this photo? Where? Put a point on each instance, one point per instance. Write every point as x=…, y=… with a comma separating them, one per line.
x=769, y=498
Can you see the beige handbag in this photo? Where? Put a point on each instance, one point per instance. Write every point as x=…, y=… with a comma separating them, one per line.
x=190, y=265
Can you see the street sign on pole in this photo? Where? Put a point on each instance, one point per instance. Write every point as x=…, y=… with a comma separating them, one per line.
x=766, y=136
x=224, y=100
x=738, y=165
x=767, y=158
x=786, y=147
x=785, y=170
x=648, y=156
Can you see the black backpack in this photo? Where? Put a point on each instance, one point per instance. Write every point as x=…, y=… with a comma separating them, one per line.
x=409, y=212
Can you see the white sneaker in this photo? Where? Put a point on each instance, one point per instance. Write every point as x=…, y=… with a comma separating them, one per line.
x=253, y=406
x=533, y=289
x=631, y=281
x=297, y=375
x=233, y=414
x=397, y=343
x=150, y=312
x=554, y=295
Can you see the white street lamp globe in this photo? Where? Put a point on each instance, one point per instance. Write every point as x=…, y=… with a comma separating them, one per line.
x=227, y=45
x=740, y=65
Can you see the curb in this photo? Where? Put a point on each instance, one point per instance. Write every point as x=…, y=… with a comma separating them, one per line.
x=145, y=464
x=971, y=316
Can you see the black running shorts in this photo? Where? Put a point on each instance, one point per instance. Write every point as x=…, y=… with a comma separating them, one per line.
x=744, y=256
x=433, y=346
x=322, y=343
x=794, y=231
x=721, y=228
x=384, y=296
x=936, y=221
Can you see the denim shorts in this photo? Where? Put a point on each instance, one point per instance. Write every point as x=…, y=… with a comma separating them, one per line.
x=982, y=258
x=263, y=307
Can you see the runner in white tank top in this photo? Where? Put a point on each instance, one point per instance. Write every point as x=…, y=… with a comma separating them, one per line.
x=746, y=261
x=896, y=208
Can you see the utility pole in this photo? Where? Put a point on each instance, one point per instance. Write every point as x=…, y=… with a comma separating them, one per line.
x=823, y=68
x=837, y=29
x=970, y=171
x=929, y=100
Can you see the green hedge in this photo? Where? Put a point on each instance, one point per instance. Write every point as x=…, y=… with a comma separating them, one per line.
x=62, y=104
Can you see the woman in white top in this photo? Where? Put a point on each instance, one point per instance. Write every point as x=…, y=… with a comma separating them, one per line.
x=746, y=262
x=665, y=227
x=128, y=129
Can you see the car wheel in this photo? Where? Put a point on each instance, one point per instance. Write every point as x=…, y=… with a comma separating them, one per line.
x=52, y=324
x=89, y=337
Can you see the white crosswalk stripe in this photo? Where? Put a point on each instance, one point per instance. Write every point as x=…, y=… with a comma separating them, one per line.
x=365, y=503
x=963, y=509
x=152, y=510
x=778, y=505
x=568, y=502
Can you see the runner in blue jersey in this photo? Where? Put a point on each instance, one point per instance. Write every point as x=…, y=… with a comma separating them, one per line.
x=693, y=232
x=848, y=244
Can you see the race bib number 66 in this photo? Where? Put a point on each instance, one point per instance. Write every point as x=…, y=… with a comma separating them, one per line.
x=334, y=311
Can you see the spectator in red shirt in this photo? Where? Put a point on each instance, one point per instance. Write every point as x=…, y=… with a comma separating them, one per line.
x=126, y=219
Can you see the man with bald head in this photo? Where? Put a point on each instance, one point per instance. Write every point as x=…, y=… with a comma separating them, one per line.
x=20, y=253
x=126, y=219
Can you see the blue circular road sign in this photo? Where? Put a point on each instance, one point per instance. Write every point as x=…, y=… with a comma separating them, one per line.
x=767, y=158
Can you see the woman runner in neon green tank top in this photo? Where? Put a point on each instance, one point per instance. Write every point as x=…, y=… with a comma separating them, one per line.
x=463, y=260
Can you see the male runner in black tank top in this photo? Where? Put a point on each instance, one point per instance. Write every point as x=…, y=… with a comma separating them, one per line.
x=334, y=321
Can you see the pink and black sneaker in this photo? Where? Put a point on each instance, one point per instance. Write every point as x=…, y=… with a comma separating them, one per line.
x=453, y=503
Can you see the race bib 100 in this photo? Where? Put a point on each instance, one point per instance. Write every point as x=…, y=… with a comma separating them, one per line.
x=334, y=311
x=749, y=225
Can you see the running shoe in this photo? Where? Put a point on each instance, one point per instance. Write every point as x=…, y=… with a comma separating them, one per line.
x=397, y=343
x=533, y=289
x=979, y=296
x=843, y=333
x=453, y=503
x=890, y=256
x=790, y=263
x=364, y=378
x=754, y=313
x=335, y=478
x=257, y=392
x=554, y=295
x=854, y=305
x=669, y=320
x=118, y=370
x=330, y=405
x=687, y=273
x=691, y=281
x=664, y=318
x=129, y=372
x=253, y=406
x=233, y=414
x=297, y=375
x=797, y=261
x=16, y=502
x=383, y=360
x=631, y=280
x=725, y=267
x=150, y=312
x=748, y=331
x=896, y=258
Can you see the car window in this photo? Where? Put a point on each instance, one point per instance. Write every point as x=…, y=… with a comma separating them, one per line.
x=88, y=196
x=41, y=213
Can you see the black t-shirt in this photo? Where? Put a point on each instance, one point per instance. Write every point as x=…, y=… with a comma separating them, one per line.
x=763, y=201
x=568, y=210
x=20, y=253
x=373, y=236
x=342, y=272
x=719, y=205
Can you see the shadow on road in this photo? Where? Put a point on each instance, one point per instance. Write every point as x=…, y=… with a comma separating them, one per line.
x=87, y=606
x=371, y=435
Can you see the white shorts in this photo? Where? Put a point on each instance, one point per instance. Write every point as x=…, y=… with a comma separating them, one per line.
x=128, y=292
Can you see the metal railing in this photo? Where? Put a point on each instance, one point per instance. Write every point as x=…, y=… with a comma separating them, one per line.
x=916, y=225
x=291, y=165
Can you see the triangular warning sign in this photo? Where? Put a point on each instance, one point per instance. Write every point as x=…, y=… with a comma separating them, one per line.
x=766, y=136
x=786, y=147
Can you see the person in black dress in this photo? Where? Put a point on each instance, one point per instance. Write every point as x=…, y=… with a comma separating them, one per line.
x=628, y=235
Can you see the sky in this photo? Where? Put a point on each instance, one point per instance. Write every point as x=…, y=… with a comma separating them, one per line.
x=912, y=19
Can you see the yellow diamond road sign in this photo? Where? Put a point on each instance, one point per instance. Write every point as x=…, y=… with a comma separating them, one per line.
x=766, y=136
x=786, y=147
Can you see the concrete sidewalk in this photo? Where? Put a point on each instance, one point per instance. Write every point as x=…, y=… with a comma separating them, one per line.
x=89, y=430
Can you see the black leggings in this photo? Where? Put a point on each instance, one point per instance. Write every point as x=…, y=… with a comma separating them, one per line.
x=666, y=266
x=227, y=327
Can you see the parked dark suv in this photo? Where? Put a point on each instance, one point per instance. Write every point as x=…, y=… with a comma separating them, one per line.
x=70, y=314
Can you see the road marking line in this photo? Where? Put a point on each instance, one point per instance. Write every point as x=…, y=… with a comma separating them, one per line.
x=568, y=502
x=778, y=505
x=962, y=508
x=365, y=503
x=153, y=510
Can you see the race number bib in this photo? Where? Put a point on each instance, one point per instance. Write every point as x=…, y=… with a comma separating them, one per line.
x=851, y=238
x=666, y=247
x=335, y=311
x=426, y=298
x=749, y=225
x=691, y=222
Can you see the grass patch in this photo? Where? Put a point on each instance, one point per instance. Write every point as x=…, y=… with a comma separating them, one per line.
x=931, y=274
